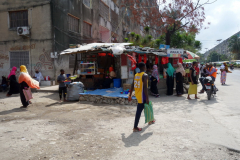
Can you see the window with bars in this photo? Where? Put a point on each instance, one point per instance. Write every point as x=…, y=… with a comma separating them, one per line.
x=87, y=29
x=88, y=3
x=19, y=58
x=73, y=23
x=104, y=10
x=18, y=19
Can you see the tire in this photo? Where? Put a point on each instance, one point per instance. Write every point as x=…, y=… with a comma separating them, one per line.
x=209, y=93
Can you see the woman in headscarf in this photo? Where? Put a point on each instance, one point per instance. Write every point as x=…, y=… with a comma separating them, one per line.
x=170, y=79
x=4, y=84
x=154, y=81
x=193, y=82
x=224, y=71
x=180, y=73
x=14, y=86
x=26, y=82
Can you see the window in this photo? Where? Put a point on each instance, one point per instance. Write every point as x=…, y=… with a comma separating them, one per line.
x=103, y=10
x=73, y=23
x=18, y=18
x=88, y=3
x=19, y=58
x=87, y=29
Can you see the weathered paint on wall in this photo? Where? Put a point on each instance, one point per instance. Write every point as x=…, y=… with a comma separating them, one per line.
x=39, y=42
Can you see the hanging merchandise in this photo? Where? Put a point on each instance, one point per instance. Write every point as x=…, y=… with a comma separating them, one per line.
x=175, y=62
x=145, y=58
x=139, y=58
x=134, y=66
x=156, y=59
x=131, y=58
x=180, y=60
x=101, y=54
x=165, y=60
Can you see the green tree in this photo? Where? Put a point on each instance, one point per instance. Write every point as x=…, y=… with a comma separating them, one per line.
x=186, y=41
x=213, y=57
x=224, y=57
x=234, y=46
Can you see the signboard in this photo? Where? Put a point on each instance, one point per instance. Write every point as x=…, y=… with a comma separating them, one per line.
x=164, y=46
x=175, y=51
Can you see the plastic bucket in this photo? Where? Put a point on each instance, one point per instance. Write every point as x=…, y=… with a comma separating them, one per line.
x=117, y=83
x=68, y=75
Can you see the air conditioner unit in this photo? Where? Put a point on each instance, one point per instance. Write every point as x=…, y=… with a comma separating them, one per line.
x=23, y=31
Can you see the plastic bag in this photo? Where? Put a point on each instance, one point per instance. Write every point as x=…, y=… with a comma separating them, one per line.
x=73, y=91
x=148, y=112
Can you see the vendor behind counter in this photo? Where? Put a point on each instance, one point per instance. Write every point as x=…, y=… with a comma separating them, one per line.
x=109, y=78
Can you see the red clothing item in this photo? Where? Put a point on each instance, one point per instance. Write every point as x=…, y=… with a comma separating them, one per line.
x=197, y=70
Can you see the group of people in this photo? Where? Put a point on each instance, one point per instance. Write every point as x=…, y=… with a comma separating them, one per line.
x=192, y=72
x=25, y=82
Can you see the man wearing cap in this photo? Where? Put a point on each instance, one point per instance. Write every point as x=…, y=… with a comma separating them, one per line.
x=212, y=72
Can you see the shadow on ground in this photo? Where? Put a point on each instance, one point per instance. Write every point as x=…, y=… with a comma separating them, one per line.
x=12, y=111
x=135, y=138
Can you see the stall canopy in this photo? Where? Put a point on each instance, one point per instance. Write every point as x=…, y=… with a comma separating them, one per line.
x=114, y=48
x=192, y=55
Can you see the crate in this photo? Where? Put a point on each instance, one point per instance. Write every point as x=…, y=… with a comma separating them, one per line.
x=126, y=86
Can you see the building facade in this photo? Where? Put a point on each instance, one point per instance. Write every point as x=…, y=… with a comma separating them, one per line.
x=32, y=30
x=222, y=48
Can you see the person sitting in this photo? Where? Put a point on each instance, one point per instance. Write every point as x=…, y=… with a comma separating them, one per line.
x=38, y=76
x=4, y=84
x=109, y=78
x=212, y=72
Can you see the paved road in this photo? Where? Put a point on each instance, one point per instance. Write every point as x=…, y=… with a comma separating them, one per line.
x=196, y=129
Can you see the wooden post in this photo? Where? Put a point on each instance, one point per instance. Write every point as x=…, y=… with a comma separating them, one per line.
x=75, y=65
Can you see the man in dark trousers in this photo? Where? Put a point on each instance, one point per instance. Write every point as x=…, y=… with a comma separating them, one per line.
x=140, y=85
x=62, y=86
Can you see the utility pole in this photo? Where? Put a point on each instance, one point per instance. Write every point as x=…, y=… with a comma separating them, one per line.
x=206, y=53
x=219, y=40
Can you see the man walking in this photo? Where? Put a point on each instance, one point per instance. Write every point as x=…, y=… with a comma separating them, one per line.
x=62, y=87
x=140, y=84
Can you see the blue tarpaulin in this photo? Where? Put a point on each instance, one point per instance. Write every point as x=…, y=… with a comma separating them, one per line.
x=111, y=92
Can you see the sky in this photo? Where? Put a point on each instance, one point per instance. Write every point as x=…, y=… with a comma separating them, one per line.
x=224, y=16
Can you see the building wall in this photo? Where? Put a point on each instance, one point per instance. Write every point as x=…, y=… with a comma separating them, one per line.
x=221, y=48
x=39, y=42
x=49, y=26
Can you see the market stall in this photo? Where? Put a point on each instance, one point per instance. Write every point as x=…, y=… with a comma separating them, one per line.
x=100, y=61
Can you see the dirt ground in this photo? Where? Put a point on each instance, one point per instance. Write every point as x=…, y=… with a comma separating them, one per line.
x=62, y=131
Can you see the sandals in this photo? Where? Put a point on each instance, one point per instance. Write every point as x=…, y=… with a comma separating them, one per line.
x=152, y=122
x=137, y=129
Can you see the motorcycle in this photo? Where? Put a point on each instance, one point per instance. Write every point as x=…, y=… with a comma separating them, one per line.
x=210, y=87
x=232, y=68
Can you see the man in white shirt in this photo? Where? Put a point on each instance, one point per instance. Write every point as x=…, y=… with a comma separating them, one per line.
x=202, y=70
x=38, y=76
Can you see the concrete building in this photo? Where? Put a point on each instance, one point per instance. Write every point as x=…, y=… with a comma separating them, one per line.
x=50, y=26
x=221, y=48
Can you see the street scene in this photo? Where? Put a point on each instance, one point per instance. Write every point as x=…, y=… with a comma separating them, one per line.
x=119, y=79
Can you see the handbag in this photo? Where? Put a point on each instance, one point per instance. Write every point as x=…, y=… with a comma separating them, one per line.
x=28, y=94
x=148, y=112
